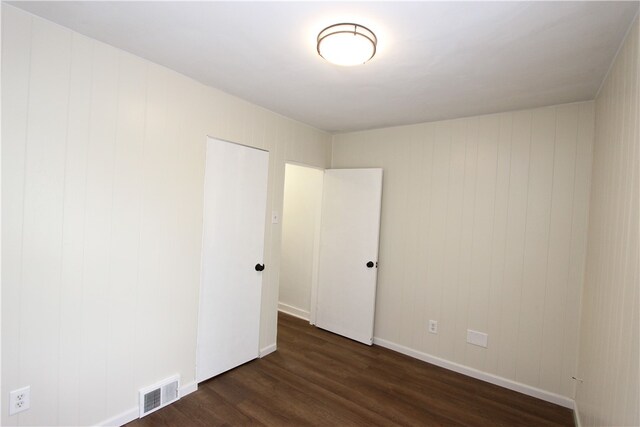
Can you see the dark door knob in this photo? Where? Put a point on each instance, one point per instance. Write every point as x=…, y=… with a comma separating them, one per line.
x=370, y=264
x=259, y=267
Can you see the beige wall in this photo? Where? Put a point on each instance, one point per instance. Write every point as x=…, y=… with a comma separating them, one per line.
x=484, y=227
x=300, y=238
x=102, y=183
x=610, y=327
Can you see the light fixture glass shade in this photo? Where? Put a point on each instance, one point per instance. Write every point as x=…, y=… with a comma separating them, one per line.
x=347, y=44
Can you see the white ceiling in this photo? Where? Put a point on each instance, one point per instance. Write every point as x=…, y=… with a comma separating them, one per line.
x=435, y=60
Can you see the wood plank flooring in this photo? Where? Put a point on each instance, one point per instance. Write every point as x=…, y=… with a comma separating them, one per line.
x=318, y=378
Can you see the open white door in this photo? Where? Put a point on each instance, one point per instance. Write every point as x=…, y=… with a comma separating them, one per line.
x=232, y=249
x=349, y=236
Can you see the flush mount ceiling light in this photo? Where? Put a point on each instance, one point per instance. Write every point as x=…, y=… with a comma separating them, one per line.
x=347, y=44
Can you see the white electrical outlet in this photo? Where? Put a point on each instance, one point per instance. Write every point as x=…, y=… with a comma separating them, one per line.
x=433, y=326
x=19, y=400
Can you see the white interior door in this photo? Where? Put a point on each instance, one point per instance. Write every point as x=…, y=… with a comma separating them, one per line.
x=232, y=250
x=349, y=236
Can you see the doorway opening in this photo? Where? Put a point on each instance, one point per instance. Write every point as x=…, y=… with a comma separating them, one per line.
x=301, y=220
x=329, y=251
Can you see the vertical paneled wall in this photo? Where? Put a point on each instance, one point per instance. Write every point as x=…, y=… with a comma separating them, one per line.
x=102, y=184
x=484, y=227
x=610, y=327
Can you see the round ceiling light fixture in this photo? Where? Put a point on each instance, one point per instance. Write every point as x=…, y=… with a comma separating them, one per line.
x=347, y=44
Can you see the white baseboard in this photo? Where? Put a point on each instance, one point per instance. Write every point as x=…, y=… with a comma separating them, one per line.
x=267, y=350
x=122, y=418
x=576, y=415
x=187, y=389
x=293, y=311
x=475, y=373
x=134, y=413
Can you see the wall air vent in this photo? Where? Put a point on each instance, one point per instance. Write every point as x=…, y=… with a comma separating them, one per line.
x=159, y=395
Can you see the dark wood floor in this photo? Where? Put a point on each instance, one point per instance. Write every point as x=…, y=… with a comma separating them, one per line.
x=318, y=378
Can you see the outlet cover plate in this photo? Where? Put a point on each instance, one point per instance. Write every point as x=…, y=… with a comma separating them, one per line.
x=433, y=326
x=19, y=400
x=477, y=338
